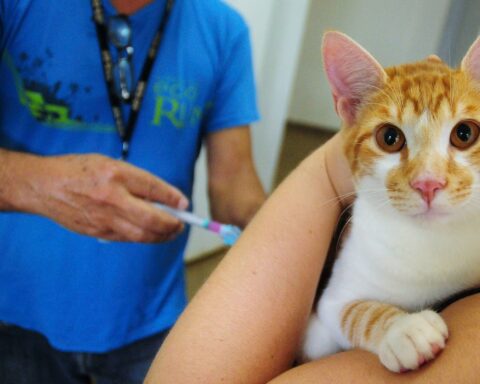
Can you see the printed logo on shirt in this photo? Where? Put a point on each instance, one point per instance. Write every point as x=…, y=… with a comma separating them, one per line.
x=42, y=100
x=177, y=102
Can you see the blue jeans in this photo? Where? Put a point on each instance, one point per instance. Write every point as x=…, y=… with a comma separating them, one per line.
x=27, y=358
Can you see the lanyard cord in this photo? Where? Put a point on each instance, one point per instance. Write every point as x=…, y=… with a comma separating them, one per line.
x=125, y=131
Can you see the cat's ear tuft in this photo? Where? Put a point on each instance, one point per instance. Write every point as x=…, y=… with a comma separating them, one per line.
x=352, y=73
x=434, y=59
x=471, y=61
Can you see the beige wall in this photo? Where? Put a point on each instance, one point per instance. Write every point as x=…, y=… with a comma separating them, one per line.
x=394, y=31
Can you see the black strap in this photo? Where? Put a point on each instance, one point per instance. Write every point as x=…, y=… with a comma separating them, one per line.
x=441, y=305
x=333, y=249
x=125, y=131
x=332, y=256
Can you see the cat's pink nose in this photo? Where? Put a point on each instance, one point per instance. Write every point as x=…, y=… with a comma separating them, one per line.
x=428, y=187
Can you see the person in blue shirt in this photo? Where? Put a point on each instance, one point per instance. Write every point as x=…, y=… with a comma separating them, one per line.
x=104, y=106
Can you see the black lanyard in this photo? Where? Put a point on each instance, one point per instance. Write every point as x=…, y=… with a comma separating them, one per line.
x=125, y=131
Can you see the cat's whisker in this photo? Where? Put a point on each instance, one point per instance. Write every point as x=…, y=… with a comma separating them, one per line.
x=451, y=91
x=459, y=195
x=372, y=190
x=397, y=95
x=344, y=228
x=379, y=104
x=394, y=192
x=382, y=203
x=354, y=193
x=474, y=201
x=399, y=196
x=346, y=209
x=381, y=90
x=338, y=199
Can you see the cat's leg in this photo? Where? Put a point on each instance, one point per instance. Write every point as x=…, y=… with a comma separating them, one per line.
x=403, y=341
x=318, y=340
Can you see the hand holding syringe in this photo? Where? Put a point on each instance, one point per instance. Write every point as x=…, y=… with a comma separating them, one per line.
x=228, y=233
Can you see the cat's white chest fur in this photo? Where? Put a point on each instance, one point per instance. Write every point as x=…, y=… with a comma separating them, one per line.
x=391, y=259
x=395, y=259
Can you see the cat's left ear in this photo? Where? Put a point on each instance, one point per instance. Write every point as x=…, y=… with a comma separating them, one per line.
x=352, y=72
x=471, y=61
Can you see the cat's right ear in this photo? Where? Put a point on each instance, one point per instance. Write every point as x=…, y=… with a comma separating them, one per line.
x=471, y=61
x=352, y=73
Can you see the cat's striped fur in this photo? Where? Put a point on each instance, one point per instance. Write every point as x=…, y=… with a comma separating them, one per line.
x=413, y=238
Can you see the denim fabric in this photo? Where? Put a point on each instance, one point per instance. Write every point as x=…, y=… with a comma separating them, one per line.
x=27, y=358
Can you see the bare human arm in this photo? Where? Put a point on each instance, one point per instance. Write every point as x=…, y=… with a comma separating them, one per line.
x=90, y=194
x=458, y=362
x=245, y=323
x=234, y=189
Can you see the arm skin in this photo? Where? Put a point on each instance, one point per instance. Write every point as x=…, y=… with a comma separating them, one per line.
x=458, y=363
x=234, y=189
x=245, y=323
x=90, y=194
x=98, y=196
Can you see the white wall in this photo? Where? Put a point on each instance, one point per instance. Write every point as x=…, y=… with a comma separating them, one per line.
x=258, y=15
x=276, y=28
x=393, y=31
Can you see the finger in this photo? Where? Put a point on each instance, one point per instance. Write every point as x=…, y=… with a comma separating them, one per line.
x=127, y=218
x=129, y=232
x=150, y=187
x=122, y=230
x=145, y=215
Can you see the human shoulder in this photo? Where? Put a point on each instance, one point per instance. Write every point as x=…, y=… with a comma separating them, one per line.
x=222, y=16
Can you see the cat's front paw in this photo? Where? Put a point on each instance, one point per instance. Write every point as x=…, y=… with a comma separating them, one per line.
x=412, y=340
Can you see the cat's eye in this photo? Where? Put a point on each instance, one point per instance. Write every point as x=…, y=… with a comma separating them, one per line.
x=465, y=134
x=390, y=138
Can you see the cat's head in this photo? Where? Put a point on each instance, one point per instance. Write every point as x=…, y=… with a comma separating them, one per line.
x=411, y=131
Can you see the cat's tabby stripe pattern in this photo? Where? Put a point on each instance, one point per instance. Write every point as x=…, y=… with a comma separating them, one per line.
x=365, y=322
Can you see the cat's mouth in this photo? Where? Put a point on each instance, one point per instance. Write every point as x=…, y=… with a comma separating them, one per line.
x=431, y=212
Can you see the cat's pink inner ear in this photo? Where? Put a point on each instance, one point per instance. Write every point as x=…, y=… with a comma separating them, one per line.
x=471, y=61
x=352, y=73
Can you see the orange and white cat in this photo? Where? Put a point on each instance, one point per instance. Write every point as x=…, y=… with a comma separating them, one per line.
x=411, y=134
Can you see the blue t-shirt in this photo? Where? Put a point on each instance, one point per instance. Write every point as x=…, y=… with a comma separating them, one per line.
x=82, y=294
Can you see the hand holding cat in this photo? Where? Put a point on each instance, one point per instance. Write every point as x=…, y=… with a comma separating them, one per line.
x=93, y=195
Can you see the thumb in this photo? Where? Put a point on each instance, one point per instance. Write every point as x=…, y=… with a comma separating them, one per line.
x=144, y=184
